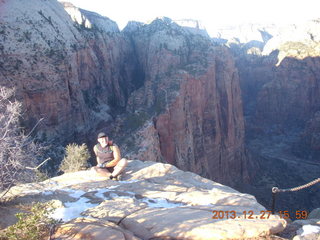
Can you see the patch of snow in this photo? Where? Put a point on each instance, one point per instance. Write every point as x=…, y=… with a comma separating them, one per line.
x=114, y=195
x=102, y=188
x=72, y=209
x=31, y=192
x=46, y=193
x=130, y=181
x=100, y=193
x=75, y=193
x=152, y=202
x=131, y=193
x=308, y=229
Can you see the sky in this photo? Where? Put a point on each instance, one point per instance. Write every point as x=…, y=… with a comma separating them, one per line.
x=212, y=14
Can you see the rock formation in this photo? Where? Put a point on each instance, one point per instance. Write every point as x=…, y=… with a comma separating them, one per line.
x=152, y=201
x=65, y=72
x=246, y=33
x=160, y=82
x=310, y=138
x=303, y=229
x=192, y=92
x=169, y=93
x=280, y=87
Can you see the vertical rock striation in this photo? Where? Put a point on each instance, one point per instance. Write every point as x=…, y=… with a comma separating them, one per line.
x=192, y=91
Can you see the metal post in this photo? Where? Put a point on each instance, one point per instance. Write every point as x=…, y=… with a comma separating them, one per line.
x=275, y=190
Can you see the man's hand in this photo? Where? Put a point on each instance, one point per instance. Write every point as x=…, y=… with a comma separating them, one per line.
x=100, y=165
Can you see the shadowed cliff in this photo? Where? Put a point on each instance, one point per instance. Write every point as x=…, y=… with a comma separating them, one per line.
x=280, y=87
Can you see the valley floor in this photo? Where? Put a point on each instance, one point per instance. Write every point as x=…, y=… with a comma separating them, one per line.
x=279, y=167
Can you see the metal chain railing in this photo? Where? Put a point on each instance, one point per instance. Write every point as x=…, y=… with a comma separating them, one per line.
x=276, y=190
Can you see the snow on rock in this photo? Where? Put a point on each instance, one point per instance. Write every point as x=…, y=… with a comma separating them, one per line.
x=136, y=206
x=193, y=26
x=72, y=210
x=308, y=229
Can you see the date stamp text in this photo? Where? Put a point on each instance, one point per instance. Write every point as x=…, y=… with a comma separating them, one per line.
x=257, y=215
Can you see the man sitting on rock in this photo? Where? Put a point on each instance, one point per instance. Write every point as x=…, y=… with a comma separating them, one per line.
x=109, y=159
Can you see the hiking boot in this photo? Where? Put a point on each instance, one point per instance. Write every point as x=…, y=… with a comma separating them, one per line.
x=117, y=178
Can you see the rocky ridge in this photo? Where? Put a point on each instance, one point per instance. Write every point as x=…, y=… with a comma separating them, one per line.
x=153, y=200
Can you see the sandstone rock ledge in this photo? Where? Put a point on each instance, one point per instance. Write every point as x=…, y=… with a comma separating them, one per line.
x=152, y=201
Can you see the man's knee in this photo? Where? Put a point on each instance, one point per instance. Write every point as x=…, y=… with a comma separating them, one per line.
x=123, y=162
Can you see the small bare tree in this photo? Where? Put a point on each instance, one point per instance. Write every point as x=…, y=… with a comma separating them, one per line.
x=18, y=152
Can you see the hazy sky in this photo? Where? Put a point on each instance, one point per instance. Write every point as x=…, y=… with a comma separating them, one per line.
x=213, y=14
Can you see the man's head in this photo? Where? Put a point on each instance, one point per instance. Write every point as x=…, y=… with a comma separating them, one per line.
x=103, y=139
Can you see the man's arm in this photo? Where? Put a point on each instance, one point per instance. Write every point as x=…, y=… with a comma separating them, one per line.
x=95, y=152
x=116, y=155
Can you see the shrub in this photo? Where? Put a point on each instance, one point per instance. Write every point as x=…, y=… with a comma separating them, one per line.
x=33, y=225
x=18, y=152
x=76, y=158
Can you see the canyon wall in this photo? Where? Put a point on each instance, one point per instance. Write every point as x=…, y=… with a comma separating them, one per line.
x=280, y=84
x=160, y=82
x=280, y=80
x=65, y=72
x=192, y=92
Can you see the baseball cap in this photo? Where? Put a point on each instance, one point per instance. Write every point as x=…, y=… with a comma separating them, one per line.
x=102, y=134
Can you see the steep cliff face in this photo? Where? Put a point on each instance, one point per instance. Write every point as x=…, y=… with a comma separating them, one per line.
x=291, y=97
x=192, y=92
x=309, y=144
x=284, y=81
x=65, y=72
x=280, y=80
x=203, y=130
